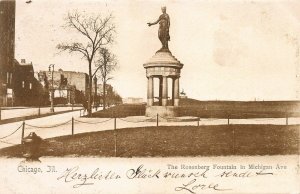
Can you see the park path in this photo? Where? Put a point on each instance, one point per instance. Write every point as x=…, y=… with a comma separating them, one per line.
x=61, y=124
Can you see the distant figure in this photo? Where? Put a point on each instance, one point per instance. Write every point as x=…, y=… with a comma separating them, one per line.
x=163, y=31
x=85, y=106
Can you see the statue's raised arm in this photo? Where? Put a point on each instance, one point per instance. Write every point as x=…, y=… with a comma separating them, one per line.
x=163, y=31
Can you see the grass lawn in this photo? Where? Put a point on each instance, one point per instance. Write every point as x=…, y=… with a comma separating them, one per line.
x=120, y=111
x=239, y=109
x=174, y=141
x=214, y=109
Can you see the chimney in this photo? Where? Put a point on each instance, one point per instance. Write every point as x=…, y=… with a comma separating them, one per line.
x=23, y=61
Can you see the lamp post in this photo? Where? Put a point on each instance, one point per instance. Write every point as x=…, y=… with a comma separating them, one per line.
x=52, y=88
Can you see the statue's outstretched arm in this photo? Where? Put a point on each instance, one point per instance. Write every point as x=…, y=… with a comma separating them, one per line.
x=150, y=24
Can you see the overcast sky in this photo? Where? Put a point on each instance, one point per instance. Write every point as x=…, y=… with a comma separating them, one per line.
x=231, y=50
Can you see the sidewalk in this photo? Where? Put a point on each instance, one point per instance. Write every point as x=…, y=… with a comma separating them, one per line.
x=38, y=114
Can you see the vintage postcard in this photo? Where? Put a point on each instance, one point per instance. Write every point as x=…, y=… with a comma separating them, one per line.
x=162, y=97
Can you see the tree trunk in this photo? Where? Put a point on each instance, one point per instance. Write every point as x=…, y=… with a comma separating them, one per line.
x=104, y=95
x=90, y=90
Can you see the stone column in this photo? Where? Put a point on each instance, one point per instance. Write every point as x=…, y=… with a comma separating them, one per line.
x=173, y=87
x=160, y=90
x=165, y=91
x=176, y=91
x=150, y=91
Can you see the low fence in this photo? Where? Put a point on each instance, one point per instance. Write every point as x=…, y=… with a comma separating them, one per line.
x=158, y=120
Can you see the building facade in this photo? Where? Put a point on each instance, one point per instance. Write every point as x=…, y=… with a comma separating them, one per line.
x=7, y=50
x=27, y=90
x=108, y=88
x=69, y=87
x=77, y=79
x=132, y=100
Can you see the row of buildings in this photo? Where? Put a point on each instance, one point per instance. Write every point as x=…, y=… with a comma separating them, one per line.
x=25, y=87
x=20, y=85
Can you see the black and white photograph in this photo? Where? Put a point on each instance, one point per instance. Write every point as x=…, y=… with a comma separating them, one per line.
x=149, y=96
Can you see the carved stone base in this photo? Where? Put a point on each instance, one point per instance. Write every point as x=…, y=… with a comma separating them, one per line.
x=176, y=102
x=163, y=111
x=150, y=102
x=163, y=50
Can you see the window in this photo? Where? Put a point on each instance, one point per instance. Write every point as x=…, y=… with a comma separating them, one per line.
x=23, y=84
x=30, y=86
x=7, y=77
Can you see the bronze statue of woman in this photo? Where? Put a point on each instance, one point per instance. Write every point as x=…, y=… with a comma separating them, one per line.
x=163, y=31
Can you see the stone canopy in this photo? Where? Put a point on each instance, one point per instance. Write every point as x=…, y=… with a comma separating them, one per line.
x=165, y=59
x=163, y=64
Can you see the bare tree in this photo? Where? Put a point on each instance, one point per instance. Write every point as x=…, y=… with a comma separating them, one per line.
x=96, y=32
x=107, y=63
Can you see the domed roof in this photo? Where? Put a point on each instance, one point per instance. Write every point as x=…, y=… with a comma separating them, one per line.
x=163, y=59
